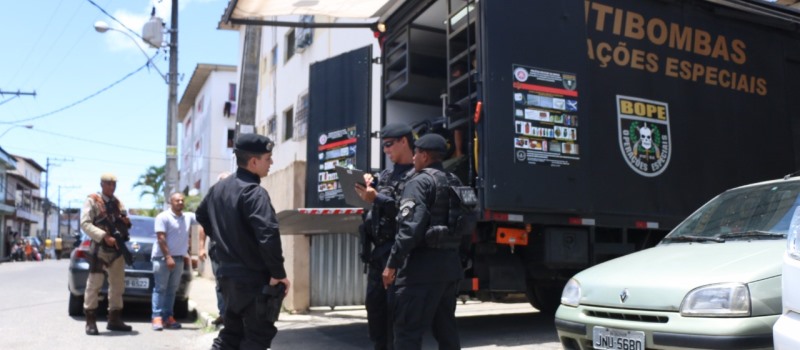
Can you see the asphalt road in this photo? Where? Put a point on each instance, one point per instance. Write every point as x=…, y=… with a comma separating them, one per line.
x=33, y=315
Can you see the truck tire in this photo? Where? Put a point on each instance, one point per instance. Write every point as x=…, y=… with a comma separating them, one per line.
x=546, y=299
x=75, y=305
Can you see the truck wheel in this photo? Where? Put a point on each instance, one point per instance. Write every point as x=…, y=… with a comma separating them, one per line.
x=181, y=308
x=75, y=305
x=546, y=299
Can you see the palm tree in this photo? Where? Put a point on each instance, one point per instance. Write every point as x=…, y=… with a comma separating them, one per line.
x=151, y=183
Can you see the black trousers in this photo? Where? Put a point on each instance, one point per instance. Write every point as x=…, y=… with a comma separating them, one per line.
x=243, y=328
x=426, y=306
x=378, y=304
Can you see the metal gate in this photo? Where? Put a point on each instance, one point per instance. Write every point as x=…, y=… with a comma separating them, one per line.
x=337, y=277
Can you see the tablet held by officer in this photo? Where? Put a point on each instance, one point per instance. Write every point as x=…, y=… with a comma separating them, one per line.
x=238, y=215
x=380, y=225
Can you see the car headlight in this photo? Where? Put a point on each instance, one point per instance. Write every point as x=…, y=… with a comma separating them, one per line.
x=717, y=300
x=791, y=237
x=571, y=295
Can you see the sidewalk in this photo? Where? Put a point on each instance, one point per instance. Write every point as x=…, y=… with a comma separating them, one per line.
x=203, y=298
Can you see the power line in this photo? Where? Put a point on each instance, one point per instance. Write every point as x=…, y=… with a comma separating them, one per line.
x=46, y=30
x=98, y=142
x=16, y=150
x=115, y=145
x=83, y=99
x=8, y=99
x=57, y=40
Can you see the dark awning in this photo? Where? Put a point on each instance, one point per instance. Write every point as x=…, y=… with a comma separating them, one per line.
x=266, y=12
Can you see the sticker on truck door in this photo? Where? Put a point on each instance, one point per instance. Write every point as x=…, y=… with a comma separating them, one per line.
x=644, y=134
x=545, y=117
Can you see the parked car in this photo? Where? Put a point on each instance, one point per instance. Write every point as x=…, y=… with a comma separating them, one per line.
x=785, y=333
x=713, y=282
x=138, y=276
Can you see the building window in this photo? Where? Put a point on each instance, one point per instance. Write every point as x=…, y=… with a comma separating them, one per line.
x=288, y=124
x=289, y=44
x=230, y=138
x=272, y=127
x=274, y=57
x=301, y=117
x=231, y=92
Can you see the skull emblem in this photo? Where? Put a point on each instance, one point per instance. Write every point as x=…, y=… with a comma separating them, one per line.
x=646, y=135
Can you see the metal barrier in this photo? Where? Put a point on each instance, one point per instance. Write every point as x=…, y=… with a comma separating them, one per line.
x=337, y=277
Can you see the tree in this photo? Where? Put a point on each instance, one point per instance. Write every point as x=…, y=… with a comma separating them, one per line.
x=151, y=183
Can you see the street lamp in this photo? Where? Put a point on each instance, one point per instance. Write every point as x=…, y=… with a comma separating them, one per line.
x=171, y=150
x=14, y=127
x=102, y=27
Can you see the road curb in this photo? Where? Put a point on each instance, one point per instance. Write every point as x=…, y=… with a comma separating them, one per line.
x=204, y=318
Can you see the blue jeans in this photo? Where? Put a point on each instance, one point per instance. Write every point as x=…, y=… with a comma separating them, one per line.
x=166, y=285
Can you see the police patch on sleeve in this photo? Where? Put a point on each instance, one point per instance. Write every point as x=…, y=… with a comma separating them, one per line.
x=406, y=207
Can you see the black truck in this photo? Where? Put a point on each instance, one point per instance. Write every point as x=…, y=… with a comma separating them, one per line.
x=588, y=129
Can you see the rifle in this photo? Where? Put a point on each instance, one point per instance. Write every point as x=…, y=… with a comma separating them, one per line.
x=119, y=230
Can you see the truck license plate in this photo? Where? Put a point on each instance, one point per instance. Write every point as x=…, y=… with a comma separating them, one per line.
x=617, y=339
x=137, y=282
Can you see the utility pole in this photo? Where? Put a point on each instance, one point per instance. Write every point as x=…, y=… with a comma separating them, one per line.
x=17, y=93
x=58, y=229
x=46, y=187
x=171, y=168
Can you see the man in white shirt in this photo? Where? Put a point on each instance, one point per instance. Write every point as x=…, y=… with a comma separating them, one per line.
x=172, y=230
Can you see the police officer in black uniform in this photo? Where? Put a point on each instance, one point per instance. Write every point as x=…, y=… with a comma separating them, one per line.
x=380, y=226
x=424, y=263
x=238, y=215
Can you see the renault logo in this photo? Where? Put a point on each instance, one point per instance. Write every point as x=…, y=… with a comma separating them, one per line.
x=624, y=295
x=135, y=246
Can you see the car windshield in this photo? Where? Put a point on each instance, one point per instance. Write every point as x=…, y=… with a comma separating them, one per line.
x=754, y=212
x=142, y=227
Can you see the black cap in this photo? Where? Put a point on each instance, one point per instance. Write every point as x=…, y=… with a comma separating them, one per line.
x=432, y=142
x=254, y=143
x=394, y=130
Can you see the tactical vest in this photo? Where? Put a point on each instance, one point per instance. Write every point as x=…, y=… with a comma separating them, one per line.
x=385, y=226
x=108, y=213
x=445, y=209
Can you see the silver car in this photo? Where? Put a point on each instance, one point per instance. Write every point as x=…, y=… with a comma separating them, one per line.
x=138, y=276
x=714, y=282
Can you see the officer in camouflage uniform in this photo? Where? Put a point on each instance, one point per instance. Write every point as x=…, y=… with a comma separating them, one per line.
x=99, y=216
x=424, y=263
x=380, y=226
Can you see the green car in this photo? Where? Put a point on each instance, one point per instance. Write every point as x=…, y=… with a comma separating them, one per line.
x=713, y=283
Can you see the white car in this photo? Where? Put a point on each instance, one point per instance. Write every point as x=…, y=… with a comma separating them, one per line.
x=714, y=282
x=785, y=332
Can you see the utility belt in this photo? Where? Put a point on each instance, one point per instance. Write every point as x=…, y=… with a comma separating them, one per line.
x=102, y=256
x=241, y=272
x=441, y=237
x=383, y=235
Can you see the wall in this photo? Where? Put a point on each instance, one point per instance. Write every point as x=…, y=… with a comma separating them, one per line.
x=286, y=188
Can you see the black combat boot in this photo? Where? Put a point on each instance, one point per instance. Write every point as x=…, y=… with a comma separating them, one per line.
x=91, y=322
x=115, y=322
